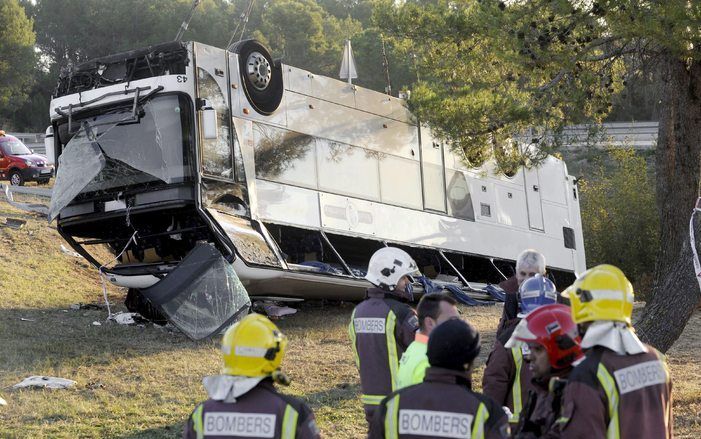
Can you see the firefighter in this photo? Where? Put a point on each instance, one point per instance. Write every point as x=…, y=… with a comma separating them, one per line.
x=383, y=325
x=529, y=263
x=506, y=378
x=622, y=388
x=554, y=344
x=243, y=401
x=433, y=309
x=443, y=405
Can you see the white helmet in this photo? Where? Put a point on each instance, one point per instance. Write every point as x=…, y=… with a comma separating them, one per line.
x=388, y=265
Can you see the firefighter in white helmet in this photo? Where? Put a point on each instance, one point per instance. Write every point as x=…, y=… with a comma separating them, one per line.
x=383, y=325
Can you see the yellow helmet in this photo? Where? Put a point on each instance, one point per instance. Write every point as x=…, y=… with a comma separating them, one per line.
x=601, y=293
x=253, y=347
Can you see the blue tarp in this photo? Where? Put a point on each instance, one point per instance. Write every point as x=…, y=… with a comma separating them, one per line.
x=457, y=292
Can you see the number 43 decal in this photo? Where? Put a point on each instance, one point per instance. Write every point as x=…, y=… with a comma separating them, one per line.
x=181, y=78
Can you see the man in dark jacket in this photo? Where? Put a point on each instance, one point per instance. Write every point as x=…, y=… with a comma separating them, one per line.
x=622, y=389
x=507, y=378
x=443, y=405
x=383, y=325
x=243, y=402
x=553, y=342
x=528, y=264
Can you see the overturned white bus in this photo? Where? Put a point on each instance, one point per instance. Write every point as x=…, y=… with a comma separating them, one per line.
x=179, y=162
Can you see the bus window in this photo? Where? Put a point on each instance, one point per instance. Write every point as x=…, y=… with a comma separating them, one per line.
x=355, y=251
x=216, y=153
x=348, y=170
x=400, y=181
x=284, y=156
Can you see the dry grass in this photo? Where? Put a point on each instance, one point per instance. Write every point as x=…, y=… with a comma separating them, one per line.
x=136, y=382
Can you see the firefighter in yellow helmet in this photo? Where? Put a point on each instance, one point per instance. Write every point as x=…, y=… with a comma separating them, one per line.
x=622, y=388
x=243, y=402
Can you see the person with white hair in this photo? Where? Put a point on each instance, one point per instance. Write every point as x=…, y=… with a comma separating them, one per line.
x=528, y=263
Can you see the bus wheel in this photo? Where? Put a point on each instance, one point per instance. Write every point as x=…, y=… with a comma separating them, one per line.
x=260, y=75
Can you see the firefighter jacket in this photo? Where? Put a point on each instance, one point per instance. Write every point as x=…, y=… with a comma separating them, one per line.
x=260, y=412
x=542, y=408
x=507, y=377
x=380, y=330
x=510, y=312
x=618, y=396
x=414, y=362
x=444, y=405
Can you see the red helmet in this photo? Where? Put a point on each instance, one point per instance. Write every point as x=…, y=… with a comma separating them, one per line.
x=552, y=327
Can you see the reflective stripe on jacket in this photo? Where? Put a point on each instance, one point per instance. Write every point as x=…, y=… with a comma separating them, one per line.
x=380, y=330
x=261, y=412
x=443, y=405
x=414, y=362
x=618, y=396
x=506, y=379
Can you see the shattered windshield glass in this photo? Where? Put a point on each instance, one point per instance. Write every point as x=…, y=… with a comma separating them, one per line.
x=120, y=149
x=203, y=295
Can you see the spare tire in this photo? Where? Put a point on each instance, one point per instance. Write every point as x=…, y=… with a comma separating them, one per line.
x=261, y=77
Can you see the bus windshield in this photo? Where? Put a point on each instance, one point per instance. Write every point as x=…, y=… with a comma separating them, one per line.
x=119, y=149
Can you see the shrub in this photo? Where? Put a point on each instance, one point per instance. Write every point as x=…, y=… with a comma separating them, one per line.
x=619, y=216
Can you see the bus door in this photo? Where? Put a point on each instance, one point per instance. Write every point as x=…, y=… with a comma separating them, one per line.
x=214, y=121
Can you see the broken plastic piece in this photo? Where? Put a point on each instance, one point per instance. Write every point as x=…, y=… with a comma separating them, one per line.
x=2, y=401
x=69, y=252
x=128, y=318
x=274, y=310
x=46, y=382
x=96, y=323
x=27, y=320
x=14, y=223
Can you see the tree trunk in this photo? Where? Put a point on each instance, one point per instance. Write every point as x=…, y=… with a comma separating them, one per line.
x=665, y=317
x=675, y=293
x=677, y=158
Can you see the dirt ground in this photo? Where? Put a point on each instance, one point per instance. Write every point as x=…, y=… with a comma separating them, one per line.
x=142, y=382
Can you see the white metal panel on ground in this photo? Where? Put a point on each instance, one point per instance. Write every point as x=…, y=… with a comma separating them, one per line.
x=287, y=204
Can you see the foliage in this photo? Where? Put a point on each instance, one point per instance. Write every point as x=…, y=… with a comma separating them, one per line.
x=305, y=33
x=17, y=56
x=491, y=69
x=619, y=218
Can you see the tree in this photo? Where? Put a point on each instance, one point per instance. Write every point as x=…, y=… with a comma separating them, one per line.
x=17, y=56
x=305, y=35
x=494, y=68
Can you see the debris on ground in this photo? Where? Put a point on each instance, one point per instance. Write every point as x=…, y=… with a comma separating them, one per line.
x=13, y=223
x=27, y=320
x=66, y=251
x=93, y=306
x=129, y=318
x=2, y=401
x=96, y=323
x=94, y=385
x=274, y=310
x=44, y=382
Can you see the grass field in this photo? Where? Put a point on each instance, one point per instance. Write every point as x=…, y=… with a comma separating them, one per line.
x=142, y=382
